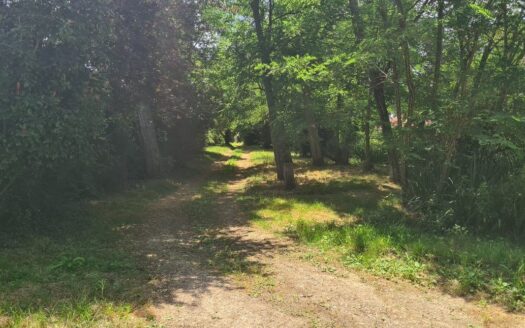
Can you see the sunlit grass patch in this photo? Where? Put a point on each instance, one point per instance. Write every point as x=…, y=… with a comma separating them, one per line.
x=359, y=221
x=262, y=157
x=276, y=214
x=80, y=314
x=218, y=151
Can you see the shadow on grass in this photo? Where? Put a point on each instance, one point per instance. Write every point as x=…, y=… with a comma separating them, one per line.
x=160, y=243
x=116, y=256
x=78, y=270
x=359, y=218
x=169, y=244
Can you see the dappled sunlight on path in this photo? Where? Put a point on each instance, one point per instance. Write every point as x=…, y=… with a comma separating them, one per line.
x=211, y=267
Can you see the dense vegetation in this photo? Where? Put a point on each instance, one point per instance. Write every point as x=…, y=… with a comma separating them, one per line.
x=93, y=94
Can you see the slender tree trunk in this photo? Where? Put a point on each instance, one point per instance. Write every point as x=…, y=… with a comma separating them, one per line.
x=439, y=54
x=481, y=67
x=400, y=117
x=313, y=132
x=314, y=140
x=357, y=21
x=343, y=139
x=407, y=138
x=149, y=141
x=377, y=81
x=458, y=121
x=397, y=94
x=377, y=85
x=368, y=165
x=283, y=157
x=343, y=145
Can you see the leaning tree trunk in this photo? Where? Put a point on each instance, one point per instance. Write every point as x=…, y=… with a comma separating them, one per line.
x=149, y=141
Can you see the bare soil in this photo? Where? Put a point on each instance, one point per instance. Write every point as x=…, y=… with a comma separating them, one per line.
x=284, y=291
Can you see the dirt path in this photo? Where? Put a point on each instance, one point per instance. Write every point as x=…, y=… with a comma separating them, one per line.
x=284, y=291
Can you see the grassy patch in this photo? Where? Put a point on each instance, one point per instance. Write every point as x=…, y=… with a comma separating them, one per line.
x=81, y=272
x=229, y=157
x=358, y=220
x=218, y=151
x=261, y=157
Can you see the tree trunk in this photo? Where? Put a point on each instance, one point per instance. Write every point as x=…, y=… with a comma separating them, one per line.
x=411, y=106
x=289, y=178
x=368, y=165
x=283, y=157
x=149, y=141
x=228, y=138
x=377, y=80
x=313, y=134
x=266, y=136
x=342, y=156
x=439, y=54
x=397, y=94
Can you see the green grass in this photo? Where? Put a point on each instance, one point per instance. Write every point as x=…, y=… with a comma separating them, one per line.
x=357, y=220
x=80, y=273
x=261, y=157
x=218, y=151
x=229, y=157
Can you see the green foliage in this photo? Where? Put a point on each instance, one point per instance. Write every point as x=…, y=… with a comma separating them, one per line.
x=71, y=77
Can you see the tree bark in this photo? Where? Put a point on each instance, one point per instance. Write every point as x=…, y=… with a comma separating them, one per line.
x=315, y=143
x=149, y=141
x=397, y=95
x=283, y=157
x=407, y=139
x=368, y=165
x=439, y=54
x=313, y=133
x=342, y=156
x=377, y=81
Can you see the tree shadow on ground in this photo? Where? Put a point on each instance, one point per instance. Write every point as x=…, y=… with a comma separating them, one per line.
x=342, y=208
x=173, y=246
